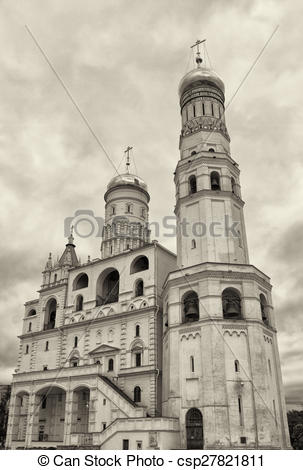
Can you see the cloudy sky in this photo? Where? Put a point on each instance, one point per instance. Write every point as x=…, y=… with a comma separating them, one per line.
x=122, y=61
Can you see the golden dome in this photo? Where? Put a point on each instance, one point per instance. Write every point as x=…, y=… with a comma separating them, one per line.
x=200, y=74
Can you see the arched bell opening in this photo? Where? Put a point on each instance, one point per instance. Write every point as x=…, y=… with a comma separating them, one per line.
x=192, y=184
x=215, y=181
x=231, y=304
x=80, y=410
x=50, y=314
x=194, y=429
x=49, y=415
x=108, y=287
x=264, y=309
x=190, y=307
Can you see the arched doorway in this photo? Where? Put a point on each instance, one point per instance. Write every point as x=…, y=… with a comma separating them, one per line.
x=49, y=415
x=194, y=429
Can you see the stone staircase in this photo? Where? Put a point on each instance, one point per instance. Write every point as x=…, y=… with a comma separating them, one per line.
x=119, y=398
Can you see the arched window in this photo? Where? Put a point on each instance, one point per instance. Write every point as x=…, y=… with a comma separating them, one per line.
x=211, y=150
x=31, y=313
x=137, y=394
x=233, y=185
x=192, y=184
x=215, y=181
x=139, y=288
x=30, y=326
x=79, y=303
x=237, y=368
x=137, y=330
x=81, y=281
x=50, y=314
x=231, y=303
x=108, y=287
x=55, y=278
x=190, y=307
x=263, y=306
x=139, y=264
x=193, y=244
x=110, y=365
x=192, y=364
x=193, y=153
x=75, y=341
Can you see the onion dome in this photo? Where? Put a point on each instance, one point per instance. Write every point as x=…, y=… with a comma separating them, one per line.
x=127, y=179
x=199, y=76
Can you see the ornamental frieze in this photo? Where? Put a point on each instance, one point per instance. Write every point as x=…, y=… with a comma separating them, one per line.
x=204, y=123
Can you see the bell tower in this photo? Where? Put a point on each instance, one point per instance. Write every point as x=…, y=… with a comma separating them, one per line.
x=209, y=207
x=221, y=367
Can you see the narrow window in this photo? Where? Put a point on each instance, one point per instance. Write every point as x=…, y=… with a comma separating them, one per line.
x=113, y=210
x=237, y=366
x=139, y=288
x=125, y=444
x=104, y=426
x=194, y=110
x=55, y=278
x=192, y=364
x=138, y=359
x=137, y=394
x=46, y=345
x=193, y=244
x=110, y=365
x=186, y=110
x=203, y=109
x=139, y=445
x=137, y=330
x=104, y=401
x=27, y=349
x=212, y=109
x=240, y=411
x=111, y=250
x=29, y=326
x=76, y=341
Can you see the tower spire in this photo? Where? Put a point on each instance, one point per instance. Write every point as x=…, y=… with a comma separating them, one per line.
x=127, y=151
x=198, y=55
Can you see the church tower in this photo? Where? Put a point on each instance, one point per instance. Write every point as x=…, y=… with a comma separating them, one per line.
x=126, y=214
x=221, y=367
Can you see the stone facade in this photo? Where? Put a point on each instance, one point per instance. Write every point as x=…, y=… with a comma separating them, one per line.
x=145, y=350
